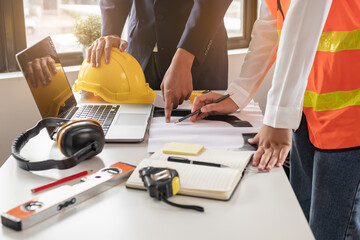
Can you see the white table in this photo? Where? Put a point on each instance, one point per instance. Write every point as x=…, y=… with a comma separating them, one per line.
x=263, y=206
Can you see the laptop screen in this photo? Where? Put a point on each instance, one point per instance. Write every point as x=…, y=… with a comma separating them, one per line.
x=46, y=78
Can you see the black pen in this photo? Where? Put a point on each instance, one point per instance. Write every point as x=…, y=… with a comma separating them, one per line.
x=199, y=111
x=185, y=160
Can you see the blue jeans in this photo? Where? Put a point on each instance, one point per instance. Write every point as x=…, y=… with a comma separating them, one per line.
x=326, y=184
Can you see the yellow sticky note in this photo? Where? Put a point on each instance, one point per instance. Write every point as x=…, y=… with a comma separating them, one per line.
x=182, y=148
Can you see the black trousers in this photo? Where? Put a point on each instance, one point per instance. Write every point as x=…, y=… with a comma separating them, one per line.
x=152, y=73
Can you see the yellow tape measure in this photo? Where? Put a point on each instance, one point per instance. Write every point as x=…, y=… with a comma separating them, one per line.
x=163, y=183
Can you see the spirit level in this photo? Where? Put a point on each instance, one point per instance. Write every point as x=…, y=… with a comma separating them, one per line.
x=55, y=201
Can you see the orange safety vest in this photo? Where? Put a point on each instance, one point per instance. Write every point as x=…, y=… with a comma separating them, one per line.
x=332, y=96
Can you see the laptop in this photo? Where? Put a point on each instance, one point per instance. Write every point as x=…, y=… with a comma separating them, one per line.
x=121, y=122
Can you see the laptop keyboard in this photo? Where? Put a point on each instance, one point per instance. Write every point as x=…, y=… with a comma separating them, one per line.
x=102, y=113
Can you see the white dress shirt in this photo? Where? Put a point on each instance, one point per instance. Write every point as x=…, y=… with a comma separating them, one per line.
x=295, y=55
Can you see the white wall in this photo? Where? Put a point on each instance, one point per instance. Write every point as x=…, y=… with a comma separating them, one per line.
x=20, y=112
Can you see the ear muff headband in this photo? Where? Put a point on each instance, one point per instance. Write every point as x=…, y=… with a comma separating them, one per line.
x=91, y=144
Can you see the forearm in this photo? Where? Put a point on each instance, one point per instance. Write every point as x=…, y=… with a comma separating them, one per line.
x=184, y=58
x=258, y=60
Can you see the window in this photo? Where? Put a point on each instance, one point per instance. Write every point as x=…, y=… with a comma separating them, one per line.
x=12, y=36
x=42, y=19
x=57, y=17
x=239, y=20
x=233, y=19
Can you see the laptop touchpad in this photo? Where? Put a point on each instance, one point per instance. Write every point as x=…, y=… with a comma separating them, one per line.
x=131, y=119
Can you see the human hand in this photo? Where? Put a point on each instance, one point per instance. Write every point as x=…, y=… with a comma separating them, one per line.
x=38, y=70
x=104, y=44
x=273, y=147
x=207, y=107
x=177, y=83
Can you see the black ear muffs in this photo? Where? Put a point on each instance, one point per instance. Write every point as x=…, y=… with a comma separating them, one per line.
x=78, y=140
x=75, y=135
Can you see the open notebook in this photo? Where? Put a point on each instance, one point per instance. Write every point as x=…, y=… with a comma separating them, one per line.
x=199, y=180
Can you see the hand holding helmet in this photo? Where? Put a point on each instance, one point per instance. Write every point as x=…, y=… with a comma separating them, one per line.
x=120, y=81
x=104, y=45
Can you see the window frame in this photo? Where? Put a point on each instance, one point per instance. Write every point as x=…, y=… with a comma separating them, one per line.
x=249, y=18
x=13, y=34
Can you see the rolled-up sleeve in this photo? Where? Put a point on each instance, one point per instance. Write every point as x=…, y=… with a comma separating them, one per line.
x=258, y=60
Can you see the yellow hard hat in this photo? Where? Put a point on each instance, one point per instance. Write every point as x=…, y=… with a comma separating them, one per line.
x=120, y=81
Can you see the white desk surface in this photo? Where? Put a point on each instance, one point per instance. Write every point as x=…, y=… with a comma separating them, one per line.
x=263, y=206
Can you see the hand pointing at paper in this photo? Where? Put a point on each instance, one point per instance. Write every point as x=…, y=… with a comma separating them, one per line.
x=177, y=83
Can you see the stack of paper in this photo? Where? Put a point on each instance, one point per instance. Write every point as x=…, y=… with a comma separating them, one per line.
x=209, y=133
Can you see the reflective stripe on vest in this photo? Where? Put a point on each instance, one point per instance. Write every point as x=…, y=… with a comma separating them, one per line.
x=339, y=41
x=336, y=41
x=332, y=96
x=332, y=101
